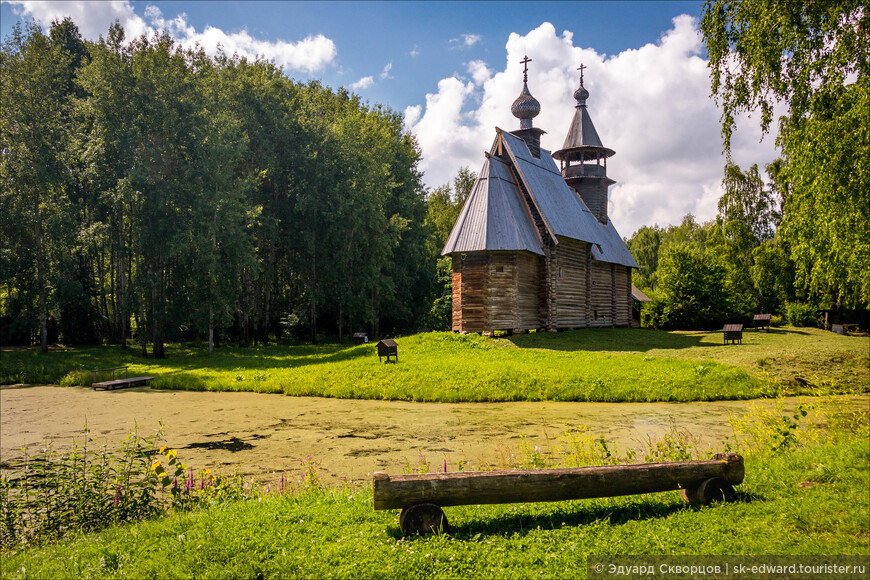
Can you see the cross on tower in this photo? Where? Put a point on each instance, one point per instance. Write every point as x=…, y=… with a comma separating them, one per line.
x=525, y=62
x=580, y=68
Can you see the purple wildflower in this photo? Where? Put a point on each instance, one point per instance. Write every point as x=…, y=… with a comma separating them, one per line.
x=118, y=495
x=445, y=466
x=202, y=483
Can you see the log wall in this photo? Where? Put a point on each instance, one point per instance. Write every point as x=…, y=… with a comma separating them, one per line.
x=529, y=269
x=622, y=296
x=601, y=295
x=496, y=291
x=521, y=291
x=568, y=272
x=469, y=292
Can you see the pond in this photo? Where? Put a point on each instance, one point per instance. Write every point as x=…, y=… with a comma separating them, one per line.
x=258, y=434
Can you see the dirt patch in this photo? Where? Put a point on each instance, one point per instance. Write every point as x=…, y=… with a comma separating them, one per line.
x=262, y=434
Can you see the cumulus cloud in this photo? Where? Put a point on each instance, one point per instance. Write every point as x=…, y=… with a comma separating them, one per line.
x=465, y=40
x=308, y=55
x=415, y=51
x=651, y=105
x=479, y=72
x=363, y=83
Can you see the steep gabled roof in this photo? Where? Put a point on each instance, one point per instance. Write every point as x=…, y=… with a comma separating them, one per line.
x=494, y=216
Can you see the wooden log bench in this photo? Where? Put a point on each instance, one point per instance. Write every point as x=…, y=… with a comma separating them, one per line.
x=421, y=497
x=118, y=383
x=734, y=333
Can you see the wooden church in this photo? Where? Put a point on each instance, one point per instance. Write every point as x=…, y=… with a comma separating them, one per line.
x=533, y=247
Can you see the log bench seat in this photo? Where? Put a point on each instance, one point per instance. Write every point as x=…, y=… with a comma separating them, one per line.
x=421, y=496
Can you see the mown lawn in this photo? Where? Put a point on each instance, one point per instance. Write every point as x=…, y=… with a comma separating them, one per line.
x=584, y=365
x=811, y=500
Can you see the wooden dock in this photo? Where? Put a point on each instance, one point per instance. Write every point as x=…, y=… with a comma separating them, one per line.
x=118, y=383
x=122, y=383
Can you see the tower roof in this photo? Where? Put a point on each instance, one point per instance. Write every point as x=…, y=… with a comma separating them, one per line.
x=582, y=136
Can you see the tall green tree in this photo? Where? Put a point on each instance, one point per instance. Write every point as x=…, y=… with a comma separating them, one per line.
x=814, y=57
x=34, y=126
x=692, y=291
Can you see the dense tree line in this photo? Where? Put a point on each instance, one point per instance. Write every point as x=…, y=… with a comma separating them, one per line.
x=813, y=58
x=151, y=193
x=701, y=275
x=799, y=241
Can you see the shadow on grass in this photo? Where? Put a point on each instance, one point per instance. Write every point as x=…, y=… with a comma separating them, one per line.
x=611, y=340
x=523, y=523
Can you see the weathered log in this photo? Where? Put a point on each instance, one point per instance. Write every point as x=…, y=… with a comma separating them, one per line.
x=490, y=487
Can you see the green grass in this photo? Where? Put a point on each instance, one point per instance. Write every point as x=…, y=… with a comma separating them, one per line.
x=584, y=365
x=811, y=500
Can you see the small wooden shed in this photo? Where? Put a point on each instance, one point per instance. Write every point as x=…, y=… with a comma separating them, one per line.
x=388, y=348
x=360, y=337
x=762, y=322
x=734, y=333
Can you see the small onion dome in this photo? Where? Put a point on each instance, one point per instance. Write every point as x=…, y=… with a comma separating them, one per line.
x=526, y=107
x=580, y=95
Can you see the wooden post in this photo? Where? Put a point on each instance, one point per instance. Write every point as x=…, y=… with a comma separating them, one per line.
x=490, y=487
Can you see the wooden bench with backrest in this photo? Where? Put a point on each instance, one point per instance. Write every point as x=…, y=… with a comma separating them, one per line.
x=421, y=496
x=118, y=383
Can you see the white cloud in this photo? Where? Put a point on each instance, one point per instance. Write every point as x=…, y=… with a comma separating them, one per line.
x=415, y=51
x=466, y=40
x=363, y=83
x=308, y=55
x=385, y=74
x=479, y=71
x=651, y=105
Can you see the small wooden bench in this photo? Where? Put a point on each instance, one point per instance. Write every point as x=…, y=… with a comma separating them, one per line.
x=762, y=322
x=734, y=333
x=421, y=496
x=118, y=383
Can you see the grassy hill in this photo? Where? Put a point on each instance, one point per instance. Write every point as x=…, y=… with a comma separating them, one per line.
x=583, y=365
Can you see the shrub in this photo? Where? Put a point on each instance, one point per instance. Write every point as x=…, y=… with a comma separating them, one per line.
x=77, y=379
x=51, y=495
x=798, y=314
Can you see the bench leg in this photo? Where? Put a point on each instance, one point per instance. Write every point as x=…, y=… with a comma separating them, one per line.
x=423, y=518
x=708, y=491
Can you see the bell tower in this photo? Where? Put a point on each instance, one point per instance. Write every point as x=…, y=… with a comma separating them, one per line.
x=583, y=158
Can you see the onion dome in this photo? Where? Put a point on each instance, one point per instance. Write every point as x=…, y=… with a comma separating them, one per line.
x=526, y=107
x=580, y=95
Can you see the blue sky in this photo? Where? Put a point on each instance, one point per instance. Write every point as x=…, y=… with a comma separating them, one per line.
x=452, y=68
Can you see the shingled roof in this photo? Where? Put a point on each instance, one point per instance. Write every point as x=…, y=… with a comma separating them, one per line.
x=496, y=217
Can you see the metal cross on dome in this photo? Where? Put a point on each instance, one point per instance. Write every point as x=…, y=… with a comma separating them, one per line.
x=580, y=68
x=525, y=62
